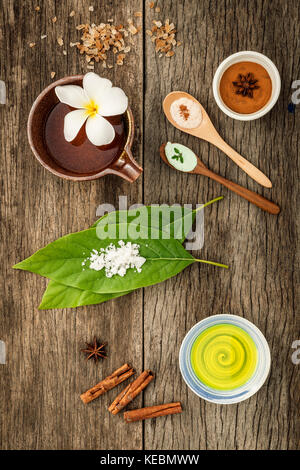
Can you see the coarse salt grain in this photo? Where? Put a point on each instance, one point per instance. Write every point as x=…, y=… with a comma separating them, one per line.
x=116, y=260
x=186, y=113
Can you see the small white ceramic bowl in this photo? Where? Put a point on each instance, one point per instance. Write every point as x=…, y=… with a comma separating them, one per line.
x=236, y=395
x=247, y=56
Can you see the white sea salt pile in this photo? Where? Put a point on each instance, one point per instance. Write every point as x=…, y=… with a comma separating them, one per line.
x=116, y=260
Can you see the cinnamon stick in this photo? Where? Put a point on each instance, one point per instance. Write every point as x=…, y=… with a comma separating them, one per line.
x=152, y=412
x=117, y=377
x=131, y=391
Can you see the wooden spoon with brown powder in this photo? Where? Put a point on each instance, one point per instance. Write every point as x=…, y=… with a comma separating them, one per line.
x=206, y=131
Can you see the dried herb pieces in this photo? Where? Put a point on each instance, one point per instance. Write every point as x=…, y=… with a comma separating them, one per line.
x=97, y=41
x=164, y=37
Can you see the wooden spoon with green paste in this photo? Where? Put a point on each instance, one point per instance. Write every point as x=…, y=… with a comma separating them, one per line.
x=183, y=159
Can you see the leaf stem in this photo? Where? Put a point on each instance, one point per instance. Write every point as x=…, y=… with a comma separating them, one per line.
x=210, y=202
x=211, y=262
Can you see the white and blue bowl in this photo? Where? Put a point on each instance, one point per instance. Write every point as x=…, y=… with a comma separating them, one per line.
x=247, y=56
x=225, y=397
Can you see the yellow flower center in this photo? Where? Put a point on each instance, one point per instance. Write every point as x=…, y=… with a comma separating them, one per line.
x=91, y=108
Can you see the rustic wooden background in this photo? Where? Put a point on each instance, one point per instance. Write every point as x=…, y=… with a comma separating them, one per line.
x=45, y=371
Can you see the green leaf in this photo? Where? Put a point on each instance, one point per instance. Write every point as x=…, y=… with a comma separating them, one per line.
x=178, y=155
x=158, y=217
x=60, y=296
x=62, y=261
x=162, y=217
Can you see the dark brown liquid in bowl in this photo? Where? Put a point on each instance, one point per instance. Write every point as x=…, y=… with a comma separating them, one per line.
x=80, y=155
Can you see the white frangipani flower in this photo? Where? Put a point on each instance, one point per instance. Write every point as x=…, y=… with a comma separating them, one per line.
x=96, y=99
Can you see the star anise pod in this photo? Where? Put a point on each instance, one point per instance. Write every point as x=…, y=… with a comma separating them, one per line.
x=95, y=350
x=246, y=84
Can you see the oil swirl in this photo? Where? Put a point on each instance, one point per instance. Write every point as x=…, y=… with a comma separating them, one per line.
x=224, y=357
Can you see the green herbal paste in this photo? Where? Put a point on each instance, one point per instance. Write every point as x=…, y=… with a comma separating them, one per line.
x=180, y=157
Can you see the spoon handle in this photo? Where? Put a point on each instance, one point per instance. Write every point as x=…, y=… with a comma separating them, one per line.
x=251, y=196
x=248, y=168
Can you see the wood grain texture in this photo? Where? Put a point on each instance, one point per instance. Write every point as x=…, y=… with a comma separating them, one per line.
x=259, y=248
x=45, y=372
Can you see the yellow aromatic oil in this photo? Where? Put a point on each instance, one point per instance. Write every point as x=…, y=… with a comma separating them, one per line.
x=224, y=357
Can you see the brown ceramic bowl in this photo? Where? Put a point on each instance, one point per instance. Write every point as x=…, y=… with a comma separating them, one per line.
x=124, y=166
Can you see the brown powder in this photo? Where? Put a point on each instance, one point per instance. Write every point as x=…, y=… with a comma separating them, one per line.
x=184, y=111
x=245, y=104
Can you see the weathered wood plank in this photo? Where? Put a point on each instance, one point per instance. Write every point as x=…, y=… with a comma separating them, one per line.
x=45, y=371
x=259, y=248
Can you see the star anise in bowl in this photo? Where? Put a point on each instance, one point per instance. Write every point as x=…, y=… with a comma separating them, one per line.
x=246, y=84
x=95, y=350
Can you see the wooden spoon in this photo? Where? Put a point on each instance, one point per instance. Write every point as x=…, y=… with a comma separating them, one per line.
x=206, y=131
x=251, y=196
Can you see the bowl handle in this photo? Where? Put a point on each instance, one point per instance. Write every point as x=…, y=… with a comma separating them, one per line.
x=126, y=166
